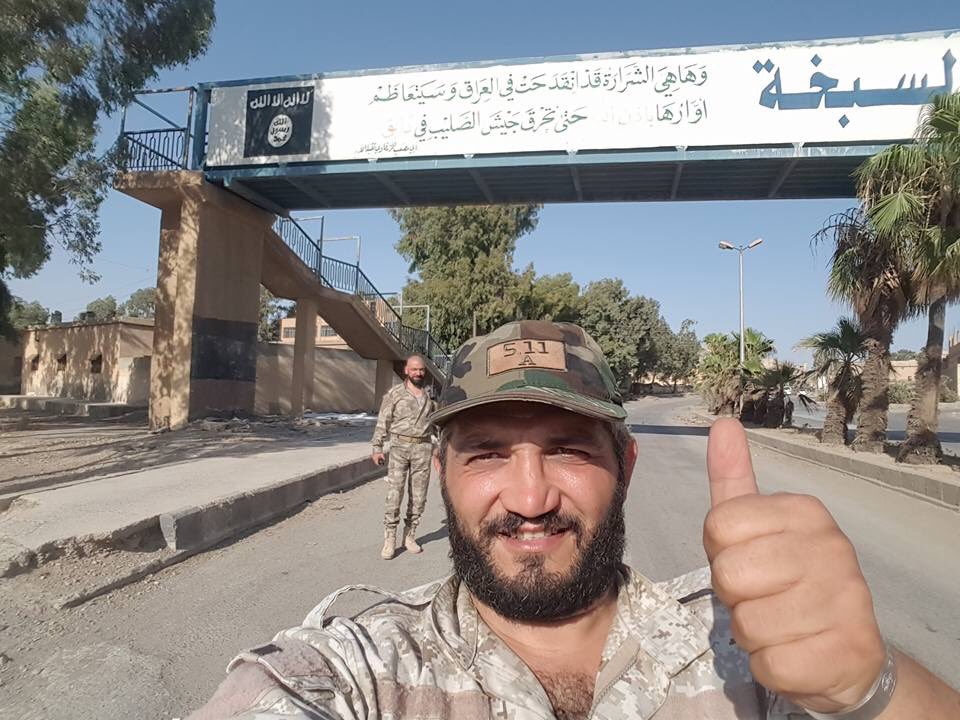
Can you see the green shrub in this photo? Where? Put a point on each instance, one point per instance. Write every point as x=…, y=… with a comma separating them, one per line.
x=947, y=393
x=901, y=391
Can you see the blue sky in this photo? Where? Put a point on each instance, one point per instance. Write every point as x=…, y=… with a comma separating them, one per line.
x=667, y=251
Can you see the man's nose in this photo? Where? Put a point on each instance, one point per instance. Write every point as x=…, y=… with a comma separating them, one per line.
x=530, y=491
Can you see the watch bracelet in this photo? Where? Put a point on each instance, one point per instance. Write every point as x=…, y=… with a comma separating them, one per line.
x=876, y=700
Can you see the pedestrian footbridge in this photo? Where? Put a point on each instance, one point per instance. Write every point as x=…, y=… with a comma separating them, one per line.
x=750, y=122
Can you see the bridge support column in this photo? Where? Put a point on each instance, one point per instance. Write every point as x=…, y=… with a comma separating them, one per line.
x=208, y=293
x=384, y=381
x=304, y=352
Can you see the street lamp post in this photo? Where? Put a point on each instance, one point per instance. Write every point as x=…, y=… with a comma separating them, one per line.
x=741, y=249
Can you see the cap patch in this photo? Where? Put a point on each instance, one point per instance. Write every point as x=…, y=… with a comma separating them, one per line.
x=526, y=354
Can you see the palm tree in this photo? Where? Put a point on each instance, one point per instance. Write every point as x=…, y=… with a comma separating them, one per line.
x=913, y=192
x=719, y=377
x=722, y=381
x=772, y=385
x=756, y=345
x=836, y=354
x=868, y=272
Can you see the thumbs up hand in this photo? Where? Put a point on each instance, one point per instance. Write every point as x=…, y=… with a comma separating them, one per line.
x=792, y=583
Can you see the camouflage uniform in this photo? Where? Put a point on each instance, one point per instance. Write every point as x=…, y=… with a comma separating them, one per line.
x=405, y=418
x=426, y=653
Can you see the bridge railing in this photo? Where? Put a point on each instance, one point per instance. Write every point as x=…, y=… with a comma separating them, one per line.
x=147, y=150
x=349, y=278
x=163, y=148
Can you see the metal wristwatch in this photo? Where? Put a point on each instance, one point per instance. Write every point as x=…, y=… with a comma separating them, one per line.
x=876, y=700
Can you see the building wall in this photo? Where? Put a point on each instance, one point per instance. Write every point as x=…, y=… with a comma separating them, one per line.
x=62, y=361
x=11, y=366
x=326, y=335
x=343, y=381
x=951, y=361
x=903, y=370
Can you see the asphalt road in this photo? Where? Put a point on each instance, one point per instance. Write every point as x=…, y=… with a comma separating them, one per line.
x=157, y=649
x=948, y=430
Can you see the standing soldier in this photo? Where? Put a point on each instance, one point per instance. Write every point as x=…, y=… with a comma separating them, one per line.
x=403, y=415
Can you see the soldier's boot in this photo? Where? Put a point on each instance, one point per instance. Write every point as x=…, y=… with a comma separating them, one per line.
x=410, y=540
x=389, y=544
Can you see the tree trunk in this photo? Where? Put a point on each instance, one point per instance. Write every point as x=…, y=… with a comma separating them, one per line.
x=922, y=446
x=774, y=415
x=872, y=411
x=835, y=424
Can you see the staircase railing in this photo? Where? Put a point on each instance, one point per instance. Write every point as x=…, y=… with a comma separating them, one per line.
x=349, y=278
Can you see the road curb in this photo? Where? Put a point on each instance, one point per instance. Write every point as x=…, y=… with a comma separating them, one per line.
x=193, y=530
x=201, y=526
x=933, y=490
x=196, y=528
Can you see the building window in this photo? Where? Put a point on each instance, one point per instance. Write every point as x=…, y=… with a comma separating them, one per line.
x=35, y=363
x=327, y=331
x=61, y=362
x=96, y=364
x=290, y=332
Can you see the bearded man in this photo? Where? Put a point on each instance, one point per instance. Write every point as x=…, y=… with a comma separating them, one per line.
x=404, y=418
x=541, y=619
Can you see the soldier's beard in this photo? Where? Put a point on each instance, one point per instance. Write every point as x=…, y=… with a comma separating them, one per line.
x=535, y=593
x=417, y=381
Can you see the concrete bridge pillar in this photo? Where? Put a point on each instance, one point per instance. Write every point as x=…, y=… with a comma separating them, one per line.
x=304, y=352
x=208, y=293
x=384, y=381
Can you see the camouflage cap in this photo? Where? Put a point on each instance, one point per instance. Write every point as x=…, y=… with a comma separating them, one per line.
x=536, y=361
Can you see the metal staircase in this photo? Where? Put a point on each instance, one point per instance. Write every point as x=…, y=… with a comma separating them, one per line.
x=347, y=278
x=166, y=148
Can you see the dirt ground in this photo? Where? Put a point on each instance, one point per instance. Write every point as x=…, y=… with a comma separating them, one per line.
x=42, y=451
x=39, y=451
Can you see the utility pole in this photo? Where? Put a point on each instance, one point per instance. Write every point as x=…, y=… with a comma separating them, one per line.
x=724, y=245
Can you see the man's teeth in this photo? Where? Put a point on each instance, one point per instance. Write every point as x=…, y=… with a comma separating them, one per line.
x=539, y=535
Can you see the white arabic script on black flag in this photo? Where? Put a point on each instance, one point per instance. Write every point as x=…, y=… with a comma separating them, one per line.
x=279, y=121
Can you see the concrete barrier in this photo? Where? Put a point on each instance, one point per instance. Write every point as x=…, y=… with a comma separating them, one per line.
x=924, y=487
x=943, y=492
x=202, y=526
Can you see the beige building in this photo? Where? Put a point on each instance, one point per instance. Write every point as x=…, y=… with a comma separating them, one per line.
x=98, y=362
x=326, y=335
x=110, y=362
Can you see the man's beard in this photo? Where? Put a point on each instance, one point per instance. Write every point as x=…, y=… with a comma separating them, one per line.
x=416, y=381
x=535, y=593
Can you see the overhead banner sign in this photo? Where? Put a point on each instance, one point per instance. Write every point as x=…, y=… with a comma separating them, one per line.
x=844, y=91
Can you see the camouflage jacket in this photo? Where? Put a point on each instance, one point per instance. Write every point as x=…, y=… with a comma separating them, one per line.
x=403, y=413
x=426, y=653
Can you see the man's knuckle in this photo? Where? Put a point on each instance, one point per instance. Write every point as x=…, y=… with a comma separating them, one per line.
x=718, y=526
x=727, y=572
x=806, y=506
x=769, y=667
x=742, y=622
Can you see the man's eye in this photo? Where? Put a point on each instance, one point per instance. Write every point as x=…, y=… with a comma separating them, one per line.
x=571, y=452
x=483, y=456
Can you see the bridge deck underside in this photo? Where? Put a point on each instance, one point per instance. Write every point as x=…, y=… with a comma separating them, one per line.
x=399, y=183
